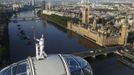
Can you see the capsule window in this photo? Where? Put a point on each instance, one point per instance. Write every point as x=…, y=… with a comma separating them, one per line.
x=74, y=66
x=8, y=72
x=77, y=65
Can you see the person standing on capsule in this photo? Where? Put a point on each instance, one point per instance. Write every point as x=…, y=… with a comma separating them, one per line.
x=40, y=54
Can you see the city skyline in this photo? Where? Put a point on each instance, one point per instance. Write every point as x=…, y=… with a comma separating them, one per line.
x=67, y=37
x=73, y=0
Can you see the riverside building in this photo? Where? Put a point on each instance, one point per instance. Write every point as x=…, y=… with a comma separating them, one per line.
x=104, y=34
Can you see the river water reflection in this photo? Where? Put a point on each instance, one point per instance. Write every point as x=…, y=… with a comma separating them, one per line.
x=58, y=40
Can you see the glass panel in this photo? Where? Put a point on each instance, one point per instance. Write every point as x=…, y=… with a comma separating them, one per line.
x=78, y=72
x=14, y=69
x=87, y=71
x=84, y=66
x=24, y=74
x=81, y=61
x=21, y=62
x=73, y=65
x=4, y=71
x=21, y=68
x=8, y=72
x=89, y=67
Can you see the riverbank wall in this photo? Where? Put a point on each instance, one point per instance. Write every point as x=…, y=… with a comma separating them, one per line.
x=4, y=38
x=56, y=19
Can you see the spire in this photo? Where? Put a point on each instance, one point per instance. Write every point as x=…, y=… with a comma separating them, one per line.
x=94, y=23
x=125, y=22
x=84, y=2
x=33, y=2
x=85, y=11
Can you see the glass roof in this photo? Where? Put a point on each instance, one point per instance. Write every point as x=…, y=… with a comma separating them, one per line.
x=18, y=68
x=77, y=65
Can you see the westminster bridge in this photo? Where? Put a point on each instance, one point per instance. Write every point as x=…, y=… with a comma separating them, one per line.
x=96, y=52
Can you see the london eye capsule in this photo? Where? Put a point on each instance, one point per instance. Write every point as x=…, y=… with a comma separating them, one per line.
x=56, y=64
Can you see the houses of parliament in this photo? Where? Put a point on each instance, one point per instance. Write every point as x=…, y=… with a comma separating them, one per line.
x=105, y=34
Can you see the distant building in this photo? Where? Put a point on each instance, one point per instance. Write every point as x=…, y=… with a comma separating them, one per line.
x=85, y=11
x=43, y=4
x=85, y=14
x=48, y=5
x=16, y=7
x=102, y=35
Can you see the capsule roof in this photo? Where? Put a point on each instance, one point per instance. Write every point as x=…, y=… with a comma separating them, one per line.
x=56, y=64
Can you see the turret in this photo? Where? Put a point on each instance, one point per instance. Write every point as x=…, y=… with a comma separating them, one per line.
x=94, y=23
x=124, y=33
x=69, y=25
x=85, y=13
